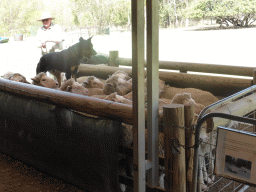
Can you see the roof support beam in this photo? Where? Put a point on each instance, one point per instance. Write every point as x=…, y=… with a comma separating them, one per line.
x=138, y=83
x=152, y=89
x=138, y=57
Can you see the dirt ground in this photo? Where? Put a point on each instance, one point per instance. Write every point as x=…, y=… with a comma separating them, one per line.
x=17, y=176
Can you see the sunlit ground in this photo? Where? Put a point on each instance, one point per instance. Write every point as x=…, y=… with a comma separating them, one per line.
x=223, y=47
x=226, y=47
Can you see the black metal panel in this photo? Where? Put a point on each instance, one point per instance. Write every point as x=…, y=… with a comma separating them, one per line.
x=63, y=143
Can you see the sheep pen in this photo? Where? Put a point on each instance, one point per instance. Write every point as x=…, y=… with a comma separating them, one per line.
x=247, y=82
x=111, y=111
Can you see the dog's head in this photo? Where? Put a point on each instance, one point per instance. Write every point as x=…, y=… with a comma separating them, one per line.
x=87, y=47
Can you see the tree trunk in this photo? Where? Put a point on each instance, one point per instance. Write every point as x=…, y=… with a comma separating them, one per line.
x=187, y=19
x=175, y=12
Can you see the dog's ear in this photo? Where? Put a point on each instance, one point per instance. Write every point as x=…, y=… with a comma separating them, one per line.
x=90, y=38
x=81, y=39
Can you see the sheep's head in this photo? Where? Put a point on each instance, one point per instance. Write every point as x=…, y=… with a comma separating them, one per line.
x=74, y=87
x=43, y=80
x=92, y=82
x=18, y=78
x=122, y=75
x=116, y=84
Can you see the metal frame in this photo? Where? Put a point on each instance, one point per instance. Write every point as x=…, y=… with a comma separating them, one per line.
x=203, y=117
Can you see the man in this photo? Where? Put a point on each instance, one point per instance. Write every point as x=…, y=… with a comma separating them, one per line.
x=50, y=35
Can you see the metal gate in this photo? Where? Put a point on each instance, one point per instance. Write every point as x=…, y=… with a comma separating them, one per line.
x=236, y=112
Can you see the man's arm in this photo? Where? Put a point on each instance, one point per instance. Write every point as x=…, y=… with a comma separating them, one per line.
x=40, y=38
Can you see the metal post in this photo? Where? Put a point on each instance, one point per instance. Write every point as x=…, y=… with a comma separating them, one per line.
x=152, y=90
x=138, y=95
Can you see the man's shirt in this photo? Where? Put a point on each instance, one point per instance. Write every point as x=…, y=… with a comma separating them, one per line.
x=53, y=33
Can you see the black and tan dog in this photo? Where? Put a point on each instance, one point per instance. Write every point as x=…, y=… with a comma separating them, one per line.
x=66, y=61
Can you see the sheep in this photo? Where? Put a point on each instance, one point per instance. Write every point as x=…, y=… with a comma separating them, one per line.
x=15, y=77
x=205, y=148
x=203, y=97
x=161, y=86
x=92, y=82
x=119, y=99
x=43, y=80
x=74, y=87
x=122, y=75
x=113, y=97
x=117, y=84
x=84, y=78
x=127, y=130
x=96, y=91
x=118, y=88
x=7, y=75
x=121, y=83
x=161, y=89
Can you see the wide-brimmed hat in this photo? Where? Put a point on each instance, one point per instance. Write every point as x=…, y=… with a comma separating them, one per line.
x=45, y=15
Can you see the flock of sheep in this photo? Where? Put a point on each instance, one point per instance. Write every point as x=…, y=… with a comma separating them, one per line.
x=118, y=88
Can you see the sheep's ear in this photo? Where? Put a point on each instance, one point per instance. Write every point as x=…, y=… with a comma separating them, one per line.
x=35, y=80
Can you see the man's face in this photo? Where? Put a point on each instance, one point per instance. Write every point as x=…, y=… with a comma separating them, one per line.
x=47, y=23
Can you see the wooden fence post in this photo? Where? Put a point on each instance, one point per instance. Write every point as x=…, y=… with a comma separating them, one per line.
x=254, y=77
x=190, y=140
x=174, y=140
x=113, y=55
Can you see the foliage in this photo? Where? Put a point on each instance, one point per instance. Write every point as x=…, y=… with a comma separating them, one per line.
x=166, y=12
x=18, y=16
x=236, y=12
x=120, y=12
x=171, y=10
x=61, y=11
x=101, y=13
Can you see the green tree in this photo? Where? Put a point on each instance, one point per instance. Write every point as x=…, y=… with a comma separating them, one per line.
x=61, y=11
x=18, y=16
x=236, y=12
x=101, y=13
x=171, y=11
x=120, y=12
